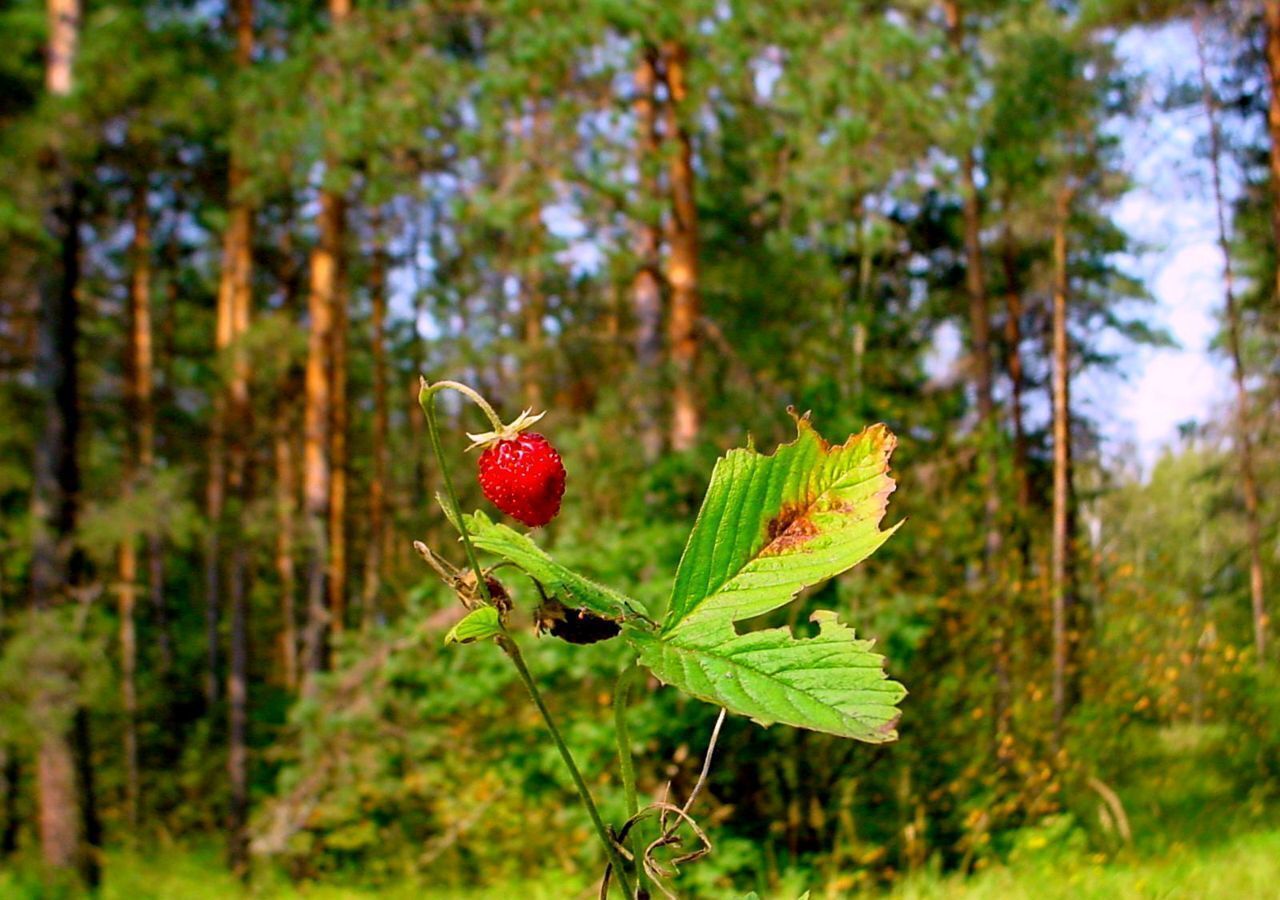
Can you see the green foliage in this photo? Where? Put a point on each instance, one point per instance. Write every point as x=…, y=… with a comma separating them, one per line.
x=569, y=587
x=769, y=527
x=476, y=625
x=490, y=154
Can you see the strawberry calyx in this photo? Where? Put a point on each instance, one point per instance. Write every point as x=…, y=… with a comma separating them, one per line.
x=487, y=439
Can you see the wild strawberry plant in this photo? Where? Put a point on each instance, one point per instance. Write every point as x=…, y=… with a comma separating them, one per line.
x=770, y=526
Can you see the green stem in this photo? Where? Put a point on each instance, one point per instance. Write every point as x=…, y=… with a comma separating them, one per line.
x=626, y=764
x=470, y=393
x=426, y=399
x=509, y=646
x=621, y=693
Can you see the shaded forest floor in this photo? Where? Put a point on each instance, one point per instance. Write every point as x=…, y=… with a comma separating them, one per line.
x=1194, y=837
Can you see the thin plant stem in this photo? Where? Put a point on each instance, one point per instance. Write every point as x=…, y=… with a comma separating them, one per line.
x=468, y=392
x=426, y=399
x=509, y=646
x=626, y=765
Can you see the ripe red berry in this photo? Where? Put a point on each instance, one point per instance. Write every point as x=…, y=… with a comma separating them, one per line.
x=524, y=477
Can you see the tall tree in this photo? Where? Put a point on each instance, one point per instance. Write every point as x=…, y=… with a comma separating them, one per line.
x=980, y=371
x=1271, y=14
x=1243, y=430
x=318, y=420
x=67, y=815
x=1062, y=568
x=139, y=461
x=237, y=286
x=646, y=289
x=683, y=327
x=1017, y=385
x=378, y=532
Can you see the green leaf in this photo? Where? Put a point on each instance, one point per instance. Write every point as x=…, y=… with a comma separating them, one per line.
x=572, y=589
x=769, y=527
x=482, y=622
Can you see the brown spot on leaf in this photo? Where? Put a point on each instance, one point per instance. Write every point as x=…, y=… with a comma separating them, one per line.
x=789, y=529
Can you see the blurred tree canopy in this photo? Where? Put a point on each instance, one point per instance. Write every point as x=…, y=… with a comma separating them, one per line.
x=235, y=234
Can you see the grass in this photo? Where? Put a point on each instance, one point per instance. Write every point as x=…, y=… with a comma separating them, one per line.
x=1247, y=866
x=1193, y=838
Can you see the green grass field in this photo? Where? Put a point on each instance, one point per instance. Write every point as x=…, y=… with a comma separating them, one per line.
x=1194, y=837
x=1247, y=866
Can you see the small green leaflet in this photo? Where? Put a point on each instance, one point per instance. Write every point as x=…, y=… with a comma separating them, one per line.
x=480, y=623
x=572, y=589
x=769, y=527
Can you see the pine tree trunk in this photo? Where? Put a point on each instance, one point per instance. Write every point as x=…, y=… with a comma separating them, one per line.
x=238, y=271
x=646, y=291
x=980, y=371
x=1271, y=12
x=532, y=309
x=1062, y=590
x=286, y=487
x=128, y=596
x=216, y=484
x=317, y=419
x=1017, y=380
x=10, y=784
x=324, y=476
x=286, y=454
x=337, y=575
x=682, y=261
x=374, y=560
x=238, y=717
x=67, y=814
x=138, y=391
x=1243, y=437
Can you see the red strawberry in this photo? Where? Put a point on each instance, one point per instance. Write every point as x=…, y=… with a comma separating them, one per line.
x=523, y=476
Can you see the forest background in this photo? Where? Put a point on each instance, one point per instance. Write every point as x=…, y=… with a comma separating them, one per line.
x=232, y=236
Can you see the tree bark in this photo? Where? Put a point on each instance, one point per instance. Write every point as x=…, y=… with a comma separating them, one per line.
x=532, y=309
x=338, y=425
x=646, y=291
x=138, y=400
x=128, y=596
x=326, y=564
x=317, y=419
x=1243, y=437
x=286, y=506
x=10, y=778
x=238, y=717
x=67, y=813
x=1017, y=380
x=1062, y=589
x=374, y=560
x=980, y=371
x=682, y=260
x=238, y=271
x=230, y=410
x=1271, y=14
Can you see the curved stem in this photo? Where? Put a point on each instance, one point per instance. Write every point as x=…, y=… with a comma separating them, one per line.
x=426, y=399
x=509, y=646
x=621, y=694
x=429, y=390
x=626, y=765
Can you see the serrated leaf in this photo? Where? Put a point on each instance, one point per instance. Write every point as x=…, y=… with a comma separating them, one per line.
x=773, y=525
x=769, y=527
x=831, y=682
x=572, y=589
x=480, y=623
